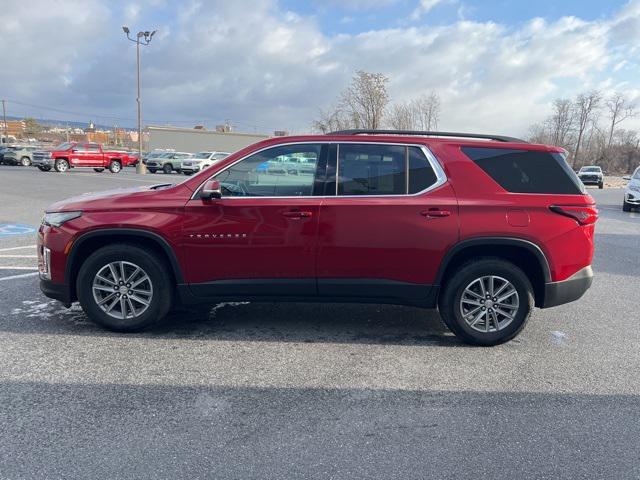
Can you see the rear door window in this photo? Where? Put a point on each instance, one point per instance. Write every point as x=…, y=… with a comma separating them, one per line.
x=525, y=171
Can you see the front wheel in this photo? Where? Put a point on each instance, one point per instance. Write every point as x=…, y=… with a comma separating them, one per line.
x=487, y=301
x=124, y=288
x=115, y=166
x=98, y=170
x=152, y=170
x=61, y=165
x=25, y=161
x=168, y=168
x=626, y=207
x=601, y=186
x=43, y=168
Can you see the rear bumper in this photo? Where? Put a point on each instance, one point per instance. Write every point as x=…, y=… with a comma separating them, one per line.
x=57, y=291
x=569, y=290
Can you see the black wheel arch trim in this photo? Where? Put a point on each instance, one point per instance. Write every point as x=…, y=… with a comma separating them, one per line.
x=494, y=241
x=131, y=232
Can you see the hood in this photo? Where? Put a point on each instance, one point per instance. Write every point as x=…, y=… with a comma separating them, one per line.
x=126, y=198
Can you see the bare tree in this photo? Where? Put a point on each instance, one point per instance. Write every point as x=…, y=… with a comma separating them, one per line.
x=620, y=109
x=427, y=109
x=366, y=99
x=361, y=105
x=401, y=116
x=561, y=122
x=585, y=106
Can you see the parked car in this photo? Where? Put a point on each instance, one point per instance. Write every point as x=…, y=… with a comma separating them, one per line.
x=483, y=228
x=201, y=160
x=632, y=192
x=18, y=155
x=80, y=154
x=167, y=162
x=592, y=175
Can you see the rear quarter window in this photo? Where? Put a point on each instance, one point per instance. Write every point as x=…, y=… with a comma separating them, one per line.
x=527, y=171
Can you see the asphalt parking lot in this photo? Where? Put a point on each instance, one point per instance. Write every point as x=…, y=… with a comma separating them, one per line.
x=314, y=391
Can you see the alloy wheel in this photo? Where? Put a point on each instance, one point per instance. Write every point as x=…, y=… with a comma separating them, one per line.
x=489, y=304
x=122, y=290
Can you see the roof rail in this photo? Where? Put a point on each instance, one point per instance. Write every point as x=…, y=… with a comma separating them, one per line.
x=497, y=138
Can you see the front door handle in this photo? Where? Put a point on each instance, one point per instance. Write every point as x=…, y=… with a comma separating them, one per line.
x=435, y=213
x=297, y=214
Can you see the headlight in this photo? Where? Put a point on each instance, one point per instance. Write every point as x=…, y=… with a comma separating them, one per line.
x=56, y=219
x=635, y=188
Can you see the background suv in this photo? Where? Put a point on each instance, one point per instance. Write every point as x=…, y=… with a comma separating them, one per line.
x=632, y=192
x=483, y=228
x=18, y=155
x=592, y=175
x=167, y=162
x=201, y=160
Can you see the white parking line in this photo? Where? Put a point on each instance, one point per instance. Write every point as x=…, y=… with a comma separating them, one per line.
x=4, y=267
x=16, y=248
x=24, y=275
x=18, y=256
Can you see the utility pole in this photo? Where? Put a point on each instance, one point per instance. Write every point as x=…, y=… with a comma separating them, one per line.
x=140, y=167
x=4, y=119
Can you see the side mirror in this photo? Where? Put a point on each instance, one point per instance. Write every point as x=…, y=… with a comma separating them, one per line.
x=627, y=177
x=211, y=190
x=74, y=150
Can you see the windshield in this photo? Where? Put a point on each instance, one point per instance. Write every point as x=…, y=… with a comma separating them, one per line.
x=590, y=169
x=220, y=156
x=64, y=146
x=203, y=155
x=636, y=176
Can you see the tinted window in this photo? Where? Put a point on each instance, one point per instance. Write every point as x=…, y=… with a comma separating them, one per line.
x=522, y=171
x=92, y=147
x=371, y=170
x=285, y=171
x=421, y=174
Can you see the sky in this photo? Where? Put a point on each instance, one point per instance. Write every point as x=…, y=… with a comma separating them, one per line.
x=267, y=65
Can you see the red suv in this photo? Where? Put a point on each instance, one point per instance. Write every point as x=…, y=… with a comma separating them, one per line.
x=483, y=228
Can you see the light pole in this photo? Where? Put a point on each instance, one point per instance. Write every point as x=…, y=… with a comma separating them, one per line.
x=147, y=36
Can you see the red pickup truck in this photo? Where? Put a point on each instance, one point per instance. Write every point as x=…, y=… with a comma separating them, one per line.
x=80, y=154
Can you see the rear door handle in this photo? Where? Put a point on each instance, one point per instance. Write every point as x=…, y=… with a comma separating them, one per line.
x=435, y=213
x=297, y=214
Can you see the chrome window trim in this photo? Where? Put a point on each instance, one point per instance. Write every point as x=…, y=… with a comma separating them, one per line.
x=441, y=177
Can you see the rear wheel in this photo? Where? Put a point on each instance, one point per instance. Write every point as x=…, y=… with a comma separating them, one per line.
x=187, y=173
x=98, y=170
x=43, y=168
x=487, y=302
x=601, y=185
x=25, y=161
x=124, y=288
x=61, y=165
x=115, y=166
x=168, y=168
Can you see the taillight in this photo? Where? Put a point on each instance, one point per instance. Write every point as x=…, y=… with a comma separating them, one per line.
x=586, y=215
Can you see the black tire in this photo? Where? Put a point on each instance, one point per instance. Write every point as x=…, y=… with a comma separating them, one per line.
x=98, y=170
x=25, y=161
x=601, y=186
x=61, y=165
x=115, y=166
x=449, y=301
x=154, y=267
x=152, y=170
x=187, y=173
x=167, y=168
x=626, y=207
x=43, y=168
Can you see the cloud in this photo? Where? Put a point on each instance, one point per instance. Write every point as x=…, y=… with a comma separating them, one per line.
x=266, y=68
x=425, y=6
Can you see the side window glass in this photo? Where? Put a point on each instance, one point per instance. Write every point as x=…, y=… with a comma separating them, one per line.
x=371, y=169
x=284, y=171
x=92, y=147
x=421, y=174
x=80, y=148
